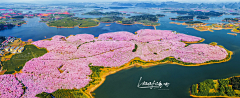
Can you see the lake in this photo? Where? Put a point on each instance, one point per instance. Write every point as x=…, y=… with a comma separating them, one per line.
x=123, y=84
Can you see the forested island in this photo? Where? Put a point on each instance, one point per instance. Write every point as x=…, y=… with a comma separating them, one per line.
x=200, y=26
x=230, y=19
x=146, y=19
x=70, y=22
x=160, y=15
x=193, y=22
x=10, y=23
x=106, y=13
x=234, y=13
x=229, y=87
x=119, y=7
x=194, y=13
x=20, y=16
x=203, y=17
x=182, y=18
x=4, y=26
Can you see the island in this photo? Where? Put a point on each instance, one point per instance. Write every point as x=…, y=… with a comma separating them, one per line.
x=8, y=23
x=194, y=13
x=86, y=61
x=228, y=87
x=231, y=20
x=106, y=13
x=146, y=19
x=203, y=17
x=17, y=17
x=198, y=25
x=234, y=13
x=71, y=22
x=160, y=15
x=183, y=18
x=193, y=22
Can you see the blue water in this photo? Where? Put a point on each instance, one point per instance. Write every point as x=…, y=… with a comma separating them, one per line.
x=37, y=31
x=123, y=84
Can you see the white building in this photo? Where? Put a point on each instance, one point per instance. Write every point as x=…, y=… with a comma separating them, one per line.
x=11, y=49
x=20, y=50
x=7, y=48
x=15, y=50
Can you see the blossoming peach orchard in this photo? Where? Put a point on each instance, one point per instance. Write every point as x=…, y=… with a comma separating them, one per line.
x=73, y=54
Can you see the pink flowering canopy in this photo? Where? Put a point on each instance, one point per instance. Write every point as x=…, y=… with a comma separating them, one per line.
x=65, y=66
x=10, y=87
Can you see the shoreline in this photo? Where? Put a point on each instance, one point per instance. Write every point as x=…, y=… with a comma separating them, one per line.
x=235, y=31
x=211, y=29
x=195, y=41
x=143, y=64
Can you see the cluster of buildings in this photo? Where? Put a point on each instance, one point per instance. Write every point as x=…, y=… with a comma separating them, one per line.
x=5, y=43
x=4, y=49
x=14, y=49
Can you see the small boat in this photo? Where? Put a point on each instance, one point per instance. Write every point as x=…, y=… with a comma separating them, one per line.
x=108, y=25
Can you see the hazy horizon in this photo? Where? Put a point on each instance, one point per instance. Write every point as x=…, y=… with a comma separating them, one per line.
x=92, y=1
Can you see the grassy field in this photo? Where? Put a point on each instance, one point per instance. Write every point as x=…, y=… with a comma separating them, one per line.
x=66, y=22
x=147, y=22
x=17, y=61
x=88, y=22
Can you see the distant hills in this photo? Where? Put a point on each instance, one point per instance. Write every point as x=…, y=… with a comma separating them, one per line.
x=172, y=4
x=122, y=4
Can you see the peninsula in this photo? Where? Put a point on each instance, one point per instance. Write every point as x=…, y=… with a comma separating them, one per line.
x=86, y=60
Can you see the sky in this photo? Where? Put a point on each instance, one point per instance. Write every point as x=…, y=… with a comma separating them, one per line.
x=32, y=1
